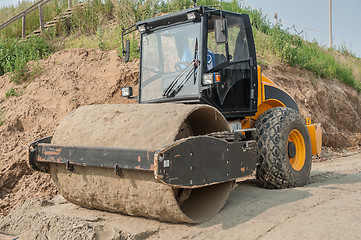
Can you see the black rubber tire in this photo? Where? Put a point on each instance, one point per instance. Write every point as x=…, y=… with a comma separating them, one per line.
x=274, y=169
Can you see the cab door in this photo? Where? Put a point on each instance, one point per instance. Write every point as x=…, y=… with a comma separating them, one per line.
x=235, y=94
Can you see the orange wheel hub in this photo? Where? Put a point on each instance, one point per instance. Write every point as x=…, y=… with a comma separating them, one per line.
x=296, y=150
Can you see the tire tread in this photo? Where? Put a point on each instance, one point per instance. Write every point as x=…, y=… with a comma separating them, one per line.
x=273, y=167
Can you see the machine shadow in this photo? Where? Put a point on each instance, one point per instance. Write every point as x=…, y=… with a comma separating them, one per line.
x=248, y=200
x=324, y=178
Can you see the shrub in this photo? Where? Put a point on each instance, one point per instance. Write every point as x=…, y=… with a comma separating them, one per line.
x=13, y=92
x=15, y=54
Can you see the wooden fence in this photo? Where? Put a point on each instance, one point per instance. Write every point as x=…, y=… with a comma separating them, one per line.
x=37, y=5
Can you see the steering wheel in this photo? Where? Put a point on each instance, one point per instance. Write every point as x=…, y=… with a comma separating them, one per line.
x=180, y=66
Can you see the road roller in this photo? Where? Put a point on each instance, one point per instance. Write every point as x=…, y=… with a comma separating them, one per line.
x=206, y=116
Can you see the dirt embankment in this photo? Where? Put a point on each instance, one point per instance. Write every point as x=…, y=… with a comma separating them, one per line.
x=335, y=105
x=68, y=79
x=72, y=78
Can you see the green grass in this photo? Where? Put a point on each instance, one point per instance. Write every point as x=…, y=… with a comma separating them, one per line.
x=2, y=117
x=291, y=49
x=13, y=92
x=298, y=53
x=16, y=54
x=50, y=10
x=344, y=50
x=100, y=23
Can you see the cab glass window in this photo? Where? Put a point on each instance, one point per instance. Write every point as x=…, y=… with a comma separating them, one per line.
x=237, y=47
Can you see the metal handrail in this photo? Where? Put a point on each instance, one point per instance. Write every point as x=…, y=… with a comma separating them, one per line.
x=23, y=13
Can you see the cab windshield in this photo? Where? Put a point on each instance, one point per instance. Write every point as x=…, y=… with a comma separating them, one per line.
x=169, y=62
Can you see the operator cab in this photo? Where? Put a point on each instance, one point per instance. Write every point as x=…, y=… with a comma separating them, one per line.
x=199, y=55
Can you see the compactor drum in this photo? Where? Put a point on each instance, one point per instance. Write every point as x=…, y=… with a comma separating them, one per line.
x=206, y=117
x=137, y=192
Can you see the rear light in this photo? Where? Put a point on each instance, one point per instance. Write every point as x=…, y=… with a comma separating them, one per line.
x=217, y=77
x=126, y=91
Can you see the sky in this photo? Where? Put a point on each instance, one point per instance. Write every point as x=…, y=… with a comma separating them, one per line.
x=311, y=19
x=5, y=3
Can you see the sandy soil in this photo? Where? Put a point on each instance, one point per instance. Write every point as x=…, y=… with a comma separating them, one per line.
x=328, y=208
x=68, y=79
x=333, y=104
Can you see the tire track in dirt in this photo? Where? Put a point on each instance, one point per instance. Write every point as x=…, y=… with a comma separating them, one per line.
x=325, y=208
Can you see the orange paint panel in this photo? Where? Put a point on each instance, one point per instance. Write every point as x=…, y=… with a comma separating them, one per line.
x=260, y=92
x=52, y=153
x=315, y=131
x=267, y=81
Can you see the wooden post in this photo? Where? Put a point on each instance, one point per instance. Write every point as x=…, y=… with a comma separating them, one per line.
x=330, y=23
x=276, y=19
x=23, y=34
x=69, y=4
x=41, y=17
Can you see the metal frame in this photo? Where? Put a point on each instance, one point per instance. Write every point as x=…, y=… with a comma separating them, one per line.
x=42, y=152
x=125, y=32
x=251, y=111
x=195, y=98
x=204, y=160
x=187, y=163
x=33, y=153
x=201, y=97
